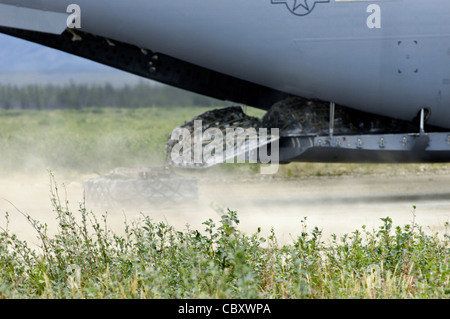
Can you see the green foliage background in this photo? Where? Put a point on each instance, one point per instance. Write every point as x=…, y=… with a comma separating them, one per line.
x=79, y=96
x=87, y=140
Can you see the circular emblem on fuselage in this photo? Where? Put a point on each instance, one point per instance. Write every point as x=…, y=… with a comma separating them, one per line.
x=300, y=7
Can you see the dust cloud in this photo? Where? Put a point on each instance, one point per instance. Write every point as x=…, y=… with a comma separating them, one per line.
x=336, y=205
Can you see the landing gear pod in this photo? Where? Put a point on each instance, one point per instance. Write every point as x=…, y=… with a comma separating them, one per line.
x=310, y=131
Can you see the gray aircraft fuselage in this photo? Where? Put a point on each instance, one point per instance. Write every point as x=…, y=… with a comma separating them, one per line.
x=389, y=57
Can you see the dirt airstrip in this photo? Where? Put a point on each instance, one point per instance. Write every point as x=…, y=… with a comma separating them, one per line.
x=336, y=205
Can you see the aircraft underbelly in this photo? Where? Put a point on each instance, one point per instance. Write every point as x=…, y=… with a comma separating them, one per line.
x=328, y=50
x=329, y=54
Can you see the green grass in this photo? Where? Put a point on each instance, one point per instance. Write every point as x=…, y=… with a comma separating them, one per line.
x=85, y=259
x=88, y=140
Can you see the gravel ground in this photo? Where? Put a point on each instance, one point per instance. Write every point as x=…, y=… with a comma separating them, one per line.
x=335, y=204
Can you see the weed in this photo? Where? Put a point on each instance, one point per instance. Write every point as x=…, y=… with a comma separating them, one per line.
x=85, y=259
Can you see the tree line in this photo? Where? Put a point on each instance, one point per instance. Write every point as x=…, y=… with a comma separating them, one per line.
x=77, y=96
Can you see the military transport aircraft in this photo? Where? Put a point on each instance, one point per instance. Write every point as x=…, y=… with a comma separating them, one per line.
x=343, y=80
